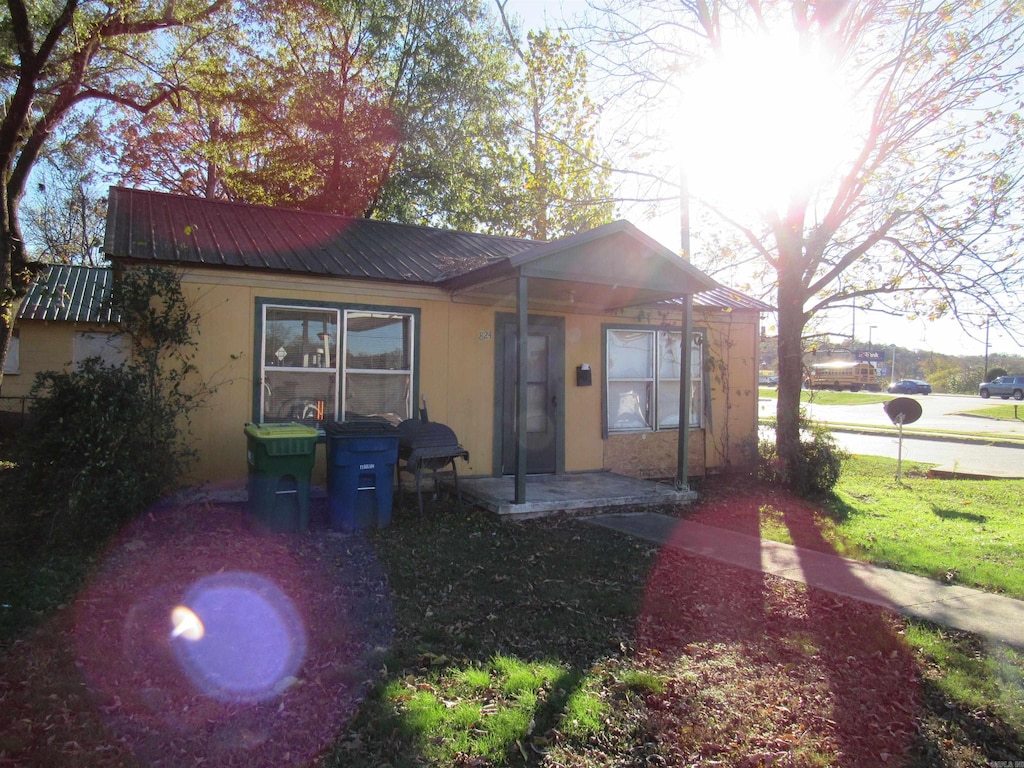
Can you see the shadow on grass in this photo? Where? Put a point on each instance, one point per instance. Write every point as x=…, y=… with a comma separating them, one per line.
x=831, y=677
x=958, y=514
x=465, y=591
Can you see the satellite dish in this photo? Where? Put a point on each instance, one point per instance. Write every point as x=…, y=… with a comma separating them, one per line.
x=903, y=410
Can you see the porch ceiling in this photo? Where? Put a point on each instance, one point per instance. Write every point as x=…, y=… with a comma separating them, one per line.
x=605, y=269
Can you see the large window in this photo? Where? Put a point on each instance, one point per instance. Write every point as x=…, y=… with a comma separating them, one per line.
x=113, y=349
x=643, y=371
x=335, y=364
x=12, y=363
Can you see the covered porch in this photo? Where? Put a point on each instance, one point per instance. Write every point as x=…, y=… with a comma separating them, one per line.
x=551, y=494
x=600, y=272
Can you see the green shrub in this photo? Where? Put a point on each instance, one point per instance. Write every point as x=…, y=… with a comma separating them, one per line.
x=97, y=451
x=818, y=466
x=103, y=444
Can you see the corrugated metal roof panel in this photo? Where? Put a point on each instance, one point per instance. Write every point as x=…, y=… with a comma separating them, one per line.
x=727, y=298
x=155, y=226
x=69, y=293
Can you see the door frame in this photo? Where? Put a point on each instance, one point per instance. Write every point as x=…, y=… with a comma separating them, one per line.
x=552, y=324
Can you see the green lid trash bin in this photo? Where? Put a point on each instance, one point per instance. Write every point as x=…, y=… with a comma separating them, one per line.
x=280, y=459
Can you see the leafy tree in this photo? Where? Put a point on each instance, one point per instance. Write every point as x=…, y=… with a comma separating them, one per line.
x=394, y=109
x=566, y=184
x=919, y=217
x=56, y=57
x=995, y=373
x=187, y=147
x=65, y=217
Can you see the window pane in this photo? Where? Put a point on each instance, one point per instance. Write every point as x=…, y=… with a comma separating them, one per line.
x=629, y=405
x=696, y=358
x=377, y=394
x=696, y=402
x=668, y=404
x=299, y=395
x=13, y=362
x=537, y=358
x=630, y=354
x=697, y=381
x=300, y=338
x=378, y=342
x=669, y=354
x=536, y=414
x=111, y=348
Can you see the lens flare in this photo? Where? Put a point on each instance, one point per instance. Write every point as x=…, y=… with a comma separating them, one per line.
x=185, y=623
x=238, y=637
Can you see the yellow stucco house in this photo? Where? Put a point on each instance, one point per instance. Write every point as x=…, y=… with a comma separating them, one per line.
x=315, y=317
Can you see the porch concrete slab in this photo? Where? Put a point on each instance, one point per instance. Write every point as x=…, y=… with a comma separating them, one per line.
x=993, y=616
x=547, y=494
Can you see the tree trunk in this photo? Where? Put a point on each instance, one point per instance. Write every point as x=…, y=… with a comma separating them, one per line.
x=17, y=273
x=792, y=319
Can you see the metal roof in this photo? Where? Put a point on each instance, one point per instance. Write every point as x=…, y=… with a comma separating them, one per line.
x=67, y=293
x=156, y=226
x=726, y=298
x=173, y=229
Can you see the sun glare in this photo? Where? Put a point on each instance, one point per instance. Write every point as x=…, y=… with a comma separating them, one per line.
x=763, y=121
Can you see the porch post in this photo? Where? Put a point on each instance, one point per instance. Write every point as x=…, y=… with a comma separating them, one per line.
x=682, y=481
x=522, y=338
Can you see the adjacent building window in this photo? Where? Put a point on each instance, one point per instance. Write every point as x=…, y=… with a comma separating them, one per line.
x=113, y=349
x=335, y=364
x=642, y=371
x=12, y=363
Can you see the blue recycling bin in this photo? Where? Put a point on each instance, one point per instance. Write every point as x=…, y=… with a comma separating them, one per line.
x=361, y=458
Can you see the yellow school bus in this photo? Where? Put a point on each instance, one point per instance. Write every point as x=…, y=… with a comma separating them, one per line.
x=843, y=374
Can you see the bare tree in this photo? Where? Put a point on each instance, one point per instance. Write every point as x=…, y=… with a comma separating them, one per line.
x=922, y=216
x=55, y=58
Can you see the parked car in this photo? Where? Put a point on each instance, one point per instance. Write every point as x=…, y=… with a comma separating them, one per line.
x=1004, y=387
x=911, y=387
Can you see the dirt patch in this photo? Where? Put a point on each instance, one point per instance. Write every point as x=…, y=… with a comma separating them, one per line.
x=300, y=622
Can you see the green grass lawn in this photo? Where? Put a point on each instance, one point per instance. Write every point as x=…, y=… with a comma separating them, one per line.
x=829, y=397
x=965, y=531
x=545, y=643
x=1001, y=412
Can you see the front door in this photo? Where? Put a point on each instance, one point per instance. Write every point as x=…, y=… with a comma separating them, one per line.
x=544, y=392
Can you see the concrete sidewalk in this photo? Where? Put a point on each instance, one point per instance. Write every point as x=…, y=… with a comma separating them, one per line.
x=992, y=616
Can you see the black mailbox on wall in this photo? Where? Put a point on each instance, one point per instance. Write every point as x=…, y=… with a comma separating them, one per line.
x=583, y=376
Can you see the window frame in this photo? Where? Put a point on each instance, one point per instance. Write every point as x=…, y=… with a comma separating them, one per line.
x=698, y=378
x=116, y=348
x=341, y=310
x=12, y=363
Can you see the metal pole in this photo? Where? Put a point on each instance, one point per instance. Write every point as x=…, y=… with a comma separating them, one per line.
x=984, y=373
x=899, y=453
x=684, y=214
x=682, y=481
x=522, y=338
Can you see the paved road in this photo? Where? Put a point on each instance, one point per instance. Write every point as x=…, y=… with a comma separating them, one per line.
x=939, y=412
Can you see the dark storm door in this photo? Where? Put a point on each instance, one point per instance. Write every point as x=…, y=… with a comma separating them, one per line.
x=544, y=393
